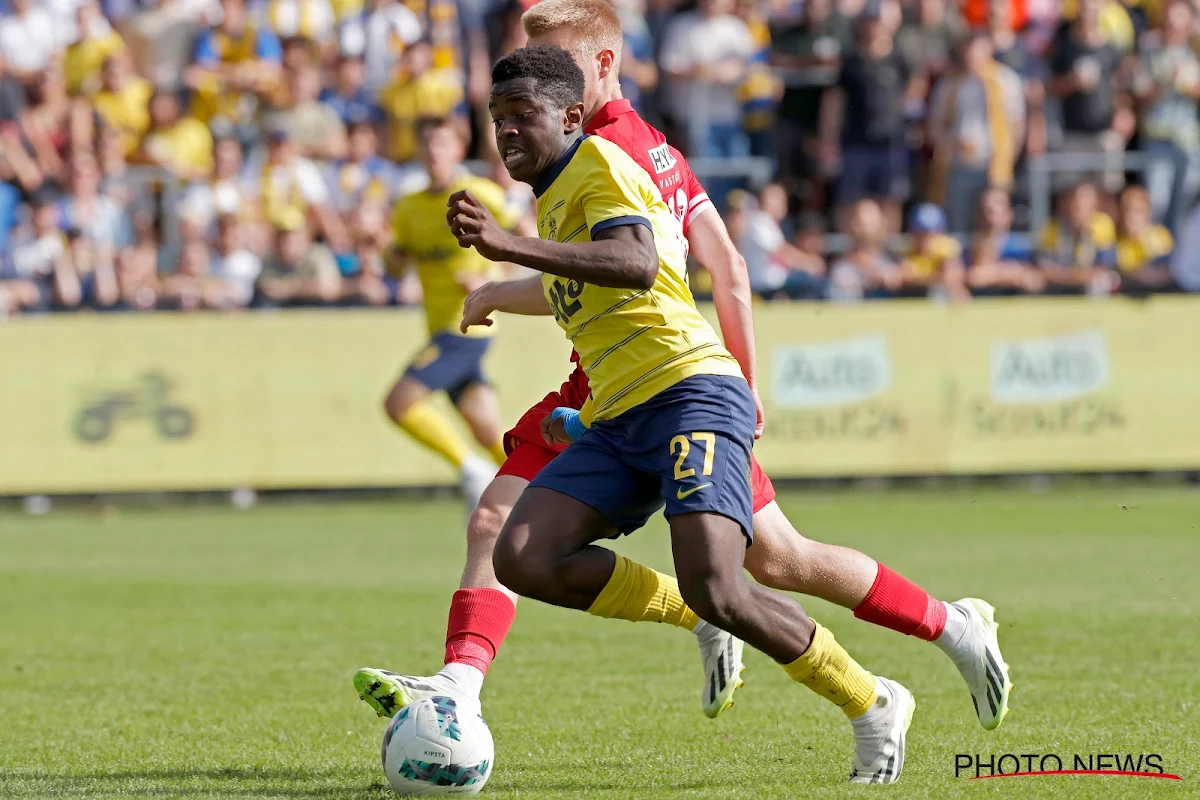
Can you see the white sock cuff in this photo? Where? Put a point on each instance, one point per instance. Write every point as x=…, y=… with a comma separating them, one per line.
x=466, y=677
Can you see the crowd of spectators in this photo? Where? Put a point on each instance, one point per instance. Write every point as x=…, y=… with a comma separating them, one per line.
x=195, y=154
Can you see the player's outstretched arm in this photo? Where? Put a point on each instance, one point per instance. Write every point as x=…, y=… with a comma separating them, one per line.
x=620, y=256
x=710, y=244
x=522, y=296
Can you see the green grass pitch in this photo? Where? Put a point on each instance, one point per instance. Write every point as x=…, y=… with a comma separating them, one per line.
x=207, y=653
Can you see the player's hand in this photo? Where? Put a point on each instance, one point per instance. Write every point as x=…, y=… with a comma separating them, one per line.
x=474, y=226
x=476, y=308
x=554, y=431
x=760, y=416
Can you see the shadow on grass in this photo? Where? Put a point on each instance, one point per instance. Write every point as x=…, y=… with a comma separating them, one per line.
x=247, y=782
x=220, y=782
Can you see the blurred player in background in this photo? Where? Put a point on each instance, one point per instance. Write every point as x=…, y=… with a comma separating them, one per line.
x=482, y=610
x=452, y=361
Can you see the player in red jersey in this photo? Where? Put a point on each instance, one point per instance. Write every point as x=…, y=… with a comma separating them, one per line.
x=482, y=610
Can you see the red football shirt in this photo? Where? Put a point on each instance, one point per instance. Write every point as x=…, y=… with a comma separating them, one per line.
x=617, y=122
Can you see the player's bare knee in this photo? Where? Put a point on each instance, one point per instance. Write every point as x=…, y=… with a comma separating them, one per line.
x=522, y=567
x=770, y=572
x=483, y=528
x=395, y=404
x=715, y=599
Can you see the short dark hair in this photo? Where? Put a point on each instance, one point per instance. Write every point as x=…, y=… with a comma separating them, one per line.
x=553, y=69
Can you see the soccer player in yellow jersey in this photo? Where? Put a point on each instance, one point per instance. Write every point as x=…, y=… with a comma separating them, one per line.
x=482, y=610
x=670, y=419
x=451, y=361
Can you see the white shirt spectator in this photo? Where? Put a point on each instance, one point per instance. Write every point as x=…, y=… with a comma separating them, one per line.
x=693, y=40
x=240, y=268
x=66, y=23
x=300, y=177
x=35, y=258
x=29, y=41
x=380, y=37
x=204, y=202
x=305, y=19
x=758, y=244
x=106, y=225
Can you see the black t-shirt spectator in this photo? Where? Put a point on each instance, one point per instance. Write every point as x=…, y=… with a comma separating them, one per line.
x=874, y=90
x=831, y=39
x=1091, y=110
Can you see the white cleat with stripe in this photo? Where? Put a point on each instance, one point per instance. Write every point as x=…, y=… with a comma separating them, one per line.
x=978, y=658
x=879, y=734
x=722, y=655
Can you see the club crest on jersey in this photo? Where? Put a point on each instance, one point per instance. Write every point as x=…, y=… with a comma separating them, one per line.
x=661, y=158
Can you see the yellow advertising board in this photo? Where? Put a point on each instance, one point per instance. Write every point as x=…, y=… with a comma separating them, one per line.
x=1000, y=386
x=293, y=399
x=287, y=399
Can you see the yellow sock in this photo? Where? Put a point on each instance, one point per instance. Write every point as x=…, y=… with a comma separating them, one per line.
x=828, y=670
x=425, y=424
x=639, y=594
x=498, y=454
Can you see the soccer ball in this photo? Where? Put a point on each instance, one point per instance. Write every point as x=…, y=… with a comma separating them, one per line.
x=438, y=746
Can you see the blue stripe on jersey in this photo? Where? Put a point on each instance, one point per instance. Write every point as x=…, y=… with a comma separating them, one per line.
x=616, y=222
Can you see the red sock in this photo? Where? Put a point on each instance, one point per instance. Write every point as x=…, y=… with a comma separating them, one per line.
x=896, y=602
x=479, y=621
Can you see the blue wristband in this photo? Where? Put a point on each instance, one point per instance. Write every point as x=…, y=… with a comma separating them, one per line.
x=570, y=417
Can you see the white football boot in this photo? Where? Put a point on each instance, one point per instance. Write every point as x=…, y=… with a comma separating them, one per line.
x=976, y=654
x=721, y=653
x=879, y=734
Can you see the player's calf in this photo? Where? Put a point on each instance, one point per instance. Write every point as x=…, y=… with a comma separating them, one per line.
x=708, y=550
x=483, y=531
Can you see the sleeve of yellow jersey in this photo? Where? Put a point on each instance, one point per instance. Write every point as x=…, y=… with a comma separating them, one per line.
x=492, y=196
x=613, y=188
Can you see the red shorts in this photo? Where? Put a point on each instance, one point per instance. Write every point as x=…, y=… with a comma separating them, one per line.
x=528, y=452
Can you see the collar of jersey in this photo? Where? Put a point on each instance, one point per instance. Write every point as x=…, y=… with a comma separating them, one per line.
x=551, y=175
x=607, y=113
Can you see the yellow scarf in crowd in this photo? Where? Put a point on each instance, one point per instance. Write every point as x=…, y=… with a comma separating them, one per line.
x=1000, y=165
x=282, y=206
x=1000, y=169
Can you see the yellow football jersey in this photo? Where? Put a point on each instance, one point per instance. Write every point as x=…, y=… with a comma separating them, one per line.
x=127, y=110
x=435, y=94
x=1149, y=249
x=84, y=60
x=632, y=343
x=420, y=231
x=931, y=260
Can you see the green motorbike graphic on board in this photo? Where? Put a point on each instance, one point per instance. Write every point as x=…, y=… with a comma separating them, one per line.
x=149, y=399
